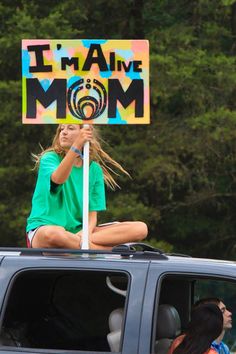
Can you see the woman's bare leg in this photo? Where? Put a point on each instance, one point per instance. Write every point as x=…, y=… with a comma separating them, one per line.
x=105, y=237
x=51, y=236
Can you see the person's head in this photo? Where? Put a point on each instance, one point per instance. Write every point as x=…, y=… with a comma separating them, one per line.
x=64, y=138
x=205, y=326
x=227, y=315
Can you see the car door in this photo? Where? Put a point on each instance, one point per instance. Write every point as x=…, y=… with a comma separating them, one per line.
x=63, y=305
x=177, y=284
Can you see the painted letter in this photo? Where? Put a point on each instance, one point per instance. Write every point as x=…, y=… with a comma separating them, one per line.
x=99, y=59
x=133, y=93
x=39, y=67
x=56, y=91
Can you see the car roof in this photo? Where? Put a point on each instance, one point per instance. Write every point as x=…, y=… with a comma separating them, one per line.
x=129, y=251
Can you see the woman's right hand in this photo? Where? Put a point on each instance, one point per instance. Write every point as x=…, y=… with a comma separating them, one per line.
x=85, y=134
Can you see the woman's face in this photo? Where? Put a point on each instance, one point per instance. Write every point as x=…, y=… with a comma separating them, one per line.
x=68, y=134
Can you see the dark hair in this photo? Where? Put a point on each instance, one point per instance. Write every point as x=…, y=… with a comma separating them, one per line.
x=207, y=300
x=205, y=326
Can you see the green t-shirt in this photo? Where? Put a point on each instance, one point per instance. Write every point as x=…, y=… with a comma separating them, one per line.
x=62, y=204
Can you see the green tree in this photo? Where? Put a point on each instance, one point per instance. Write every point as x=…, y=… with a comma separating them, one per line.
x=183, y=164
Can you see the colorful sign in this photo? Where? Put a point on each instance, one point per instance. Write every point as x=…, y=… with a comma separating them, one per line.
x=85, y=81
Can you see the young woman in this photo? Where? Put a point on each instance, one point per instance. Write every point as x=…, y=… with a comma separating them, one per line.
x=56, y=216
x=205, y=326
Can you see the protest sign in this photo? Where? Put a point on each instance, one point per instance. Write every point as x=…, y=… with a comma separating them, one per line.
x=85, y=81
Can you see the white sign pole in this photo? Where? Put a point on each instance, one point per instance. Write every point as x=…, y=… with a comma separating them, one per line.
x=85, y=238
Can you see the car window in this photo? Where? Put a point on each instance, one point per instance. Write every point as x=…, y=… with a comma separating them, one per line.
x=226, y=291
x=175, y=297
x=63, y=309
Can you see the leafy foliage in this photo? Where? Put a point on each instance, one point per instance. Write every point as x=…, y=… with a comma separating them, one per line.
x=183, y=164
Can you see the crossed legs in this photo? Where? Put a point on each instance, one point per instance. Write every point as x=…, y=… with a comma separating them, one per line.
x=103, y=237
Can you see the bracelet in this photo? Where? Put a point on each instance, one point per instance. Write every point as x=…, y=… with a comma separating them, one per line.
x=77, y=151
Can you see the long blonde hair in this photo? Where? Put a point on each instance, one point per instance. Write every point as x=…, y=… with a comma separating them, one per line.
x=97, y=154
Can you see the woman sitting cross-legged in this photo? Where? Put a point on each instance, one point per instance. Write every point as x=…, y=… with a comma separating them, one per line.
x=57, y=205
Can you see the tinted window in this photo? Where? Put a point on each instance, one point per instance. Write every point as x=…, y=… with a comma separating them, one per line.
x=175, y=299
x=61, y=309
x=226, y=291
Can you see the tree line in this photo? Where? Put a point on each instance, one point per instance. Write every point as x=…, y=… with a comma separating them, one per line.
x=183, y=164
